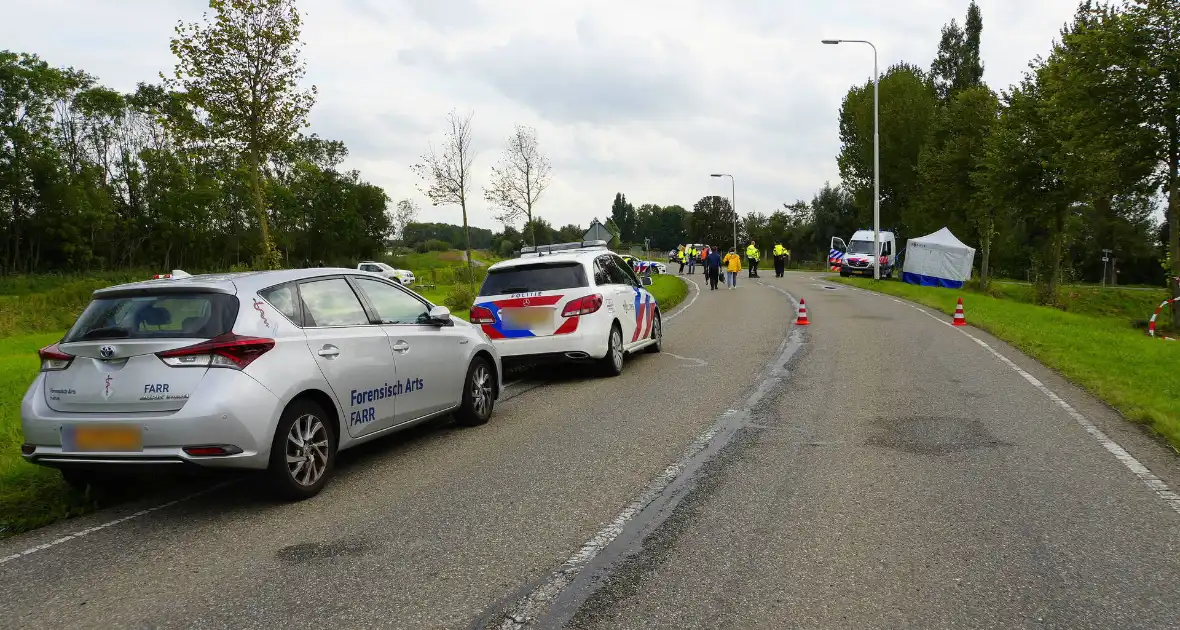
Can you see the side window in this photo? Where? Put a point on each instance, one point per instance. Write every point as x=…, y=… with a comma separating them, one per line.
x=601, y=277
x=332, y=303
x=285, y=299
x=888, y=249
x=622, y=273
x=393, y=305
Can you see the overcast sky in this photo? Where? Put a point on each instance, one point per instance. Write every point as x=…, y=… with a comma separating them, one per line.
x=644, y=97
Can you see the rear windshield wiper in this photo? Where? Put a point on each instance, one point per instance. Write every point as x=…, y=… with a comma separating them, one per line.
x=109, y=332
x=514, y=290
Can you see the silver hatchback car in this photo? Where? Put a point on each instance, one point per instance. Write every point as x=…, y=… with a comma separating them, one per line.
x=273, y=370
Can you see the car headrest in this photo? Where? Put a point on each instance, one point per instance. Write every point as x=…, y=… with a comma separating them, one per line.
x=154, y=316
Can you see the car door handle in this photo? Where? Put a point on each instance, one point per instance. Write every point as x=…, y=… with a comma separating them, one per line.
x=329, y=351
x=401, y=347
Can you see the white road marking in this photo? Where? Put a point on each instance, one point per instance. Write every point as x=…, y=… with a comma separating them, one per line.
x=1144, y=474
x=91, y=530
x=695, y=295
x=537, y=602
x=695, y=361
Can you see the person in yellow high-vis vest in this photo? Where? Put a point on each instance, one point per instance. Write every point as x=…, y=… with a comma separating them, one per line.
x=752, y=256
x=780, y=259
x=680, y=256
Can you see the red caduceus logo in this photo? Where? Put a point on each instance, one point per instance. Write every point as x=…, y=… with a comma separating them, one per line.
x=107, y=390
x=261, y=313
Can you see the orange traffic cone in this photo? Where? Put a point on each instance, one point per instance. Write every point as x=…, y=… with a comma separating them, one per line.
x=960, y=318
x=801, y=320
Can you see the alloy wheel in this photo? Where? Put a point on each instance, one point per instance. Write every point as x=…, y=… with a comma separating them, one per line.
x=616, y=338
x=481, y=390
x=307, y=450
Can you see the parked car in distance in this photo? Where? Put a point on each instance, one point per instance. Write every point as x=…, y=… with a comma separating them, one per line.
x=271, y=370
x=644, y=267
x=403, y=276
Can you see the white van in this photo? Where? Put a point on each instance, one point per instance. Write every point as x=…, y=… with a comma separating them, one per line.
x=856, y=256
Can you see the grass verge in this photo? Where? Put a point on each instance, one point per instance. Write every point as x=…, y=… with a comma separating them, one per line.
x=30, y=496
x=668, y=290
x=1103, y=354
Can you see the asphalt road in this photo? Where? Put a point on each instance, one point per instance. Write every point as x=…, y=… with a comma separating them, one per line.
x=874, y=469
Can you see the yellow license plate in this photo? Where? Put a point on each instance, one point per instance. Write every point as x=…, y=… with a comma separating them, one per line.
x=102, y=439
x=526, y=317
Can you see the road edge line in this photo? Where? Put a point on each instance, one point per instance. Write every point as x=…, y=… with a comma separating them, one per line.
x=535, y=603
x=109, y=524
x=1149, y=479
x=680, y=308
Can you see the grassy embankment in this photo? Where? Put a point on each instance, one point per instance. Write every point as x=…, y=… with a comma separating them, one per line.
x=1097, y=342
x=36, y=310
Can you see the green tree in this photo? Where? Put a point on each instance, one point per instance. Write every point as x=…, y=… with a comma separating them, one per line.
x=1023, y=168
x=712, y=221
x=970, y=72
x=958, y=65
x=242, y=70
x=907, y=106
x=446, y=173
x=623, y=214
x=950, y=168
x=1150, y=38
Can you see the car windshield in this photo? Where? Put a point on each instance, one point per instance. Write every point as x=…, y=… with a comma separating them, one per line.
x=860, y=247
x=534, y=277
x=188, y=315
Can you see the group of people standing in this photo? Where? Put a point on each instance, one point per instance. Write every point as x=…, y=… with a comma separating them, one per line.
x=713, y=263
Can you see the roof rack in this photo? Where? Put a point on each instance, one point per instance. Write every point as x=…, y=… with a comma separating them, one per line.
x=543, y=250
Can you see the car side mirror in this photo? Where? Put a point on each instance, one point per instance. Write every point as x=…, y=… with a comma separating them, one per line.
x=645, y=281
x=440, y=315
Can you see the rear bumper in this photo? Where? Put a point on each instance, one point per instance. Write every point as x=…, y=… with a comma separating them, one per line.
x=228, y=408
x=579, y=345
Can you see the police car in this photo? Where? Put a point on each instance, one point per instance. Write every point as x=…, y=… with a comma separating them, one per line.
x=273, y=370
x=644, y=267
x=572, y=302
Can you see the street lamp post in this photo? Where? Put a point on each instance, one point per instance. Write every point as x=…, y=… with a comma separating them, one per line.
x=876, y=157
x=732, y=203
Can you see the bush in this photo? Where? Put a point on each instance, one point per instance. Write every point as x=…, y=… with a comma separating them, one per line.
x=435, y=245
x=506, y=249
x=461, y=297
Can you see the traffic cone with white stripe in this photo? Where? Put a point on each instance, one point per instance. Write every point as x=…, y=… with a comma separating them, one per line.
x=960, y=319
x=801, y=319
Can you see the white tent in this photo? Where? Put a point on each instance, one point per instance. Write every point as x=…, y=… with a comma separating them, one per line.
x=937, y=260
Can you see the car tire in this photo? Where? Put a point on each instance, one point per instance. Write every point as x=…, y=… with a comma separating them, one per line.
x=612, y=363
x=657, y=334
x=844, y=274
x=479, y=394
x=314, y=442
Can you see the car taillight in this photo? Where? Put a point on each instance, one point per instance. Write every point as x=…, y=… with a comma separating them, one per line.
x=162, y=276
x=228, y=350
x=53, y=359
x=582, y=306
x=481, y=315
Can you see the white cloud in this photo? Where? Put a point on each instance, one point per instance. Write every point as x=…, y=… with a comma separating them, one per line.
x=646, y=97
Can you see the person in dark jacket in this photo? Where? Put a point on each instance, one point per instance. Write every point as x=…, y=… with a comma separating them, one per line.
x=713, y=268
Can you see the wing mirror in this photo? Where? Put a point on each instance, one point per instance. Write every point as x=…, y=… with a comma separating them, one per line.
x=440, y=315
x=645, y=281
